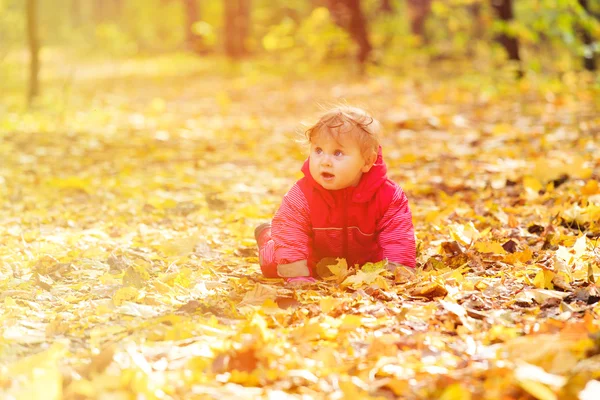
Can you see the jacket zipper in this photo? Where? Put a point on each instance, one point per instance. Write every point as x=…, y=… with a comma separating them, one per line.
x=345, y=231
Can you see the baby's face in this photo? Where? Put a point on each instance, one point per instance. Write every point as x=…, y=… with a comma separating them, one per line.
x=336, y=164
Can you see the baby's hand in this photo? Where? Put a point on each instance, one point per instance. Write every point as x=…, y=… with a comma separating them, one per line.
x=292, y=270
x=300, y=281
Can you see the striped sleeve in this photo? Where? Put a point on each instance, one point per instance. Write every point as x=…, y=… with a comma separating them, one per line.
x=291, y=228
x=396, y=231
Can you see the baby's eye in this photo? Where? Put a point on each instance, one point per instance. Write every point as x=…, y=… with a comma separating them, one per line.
x=318, y=150
x=338, y=153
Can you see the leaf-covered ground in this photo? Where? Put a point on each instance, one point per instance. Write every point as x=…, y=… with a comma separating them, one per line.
x=128, y=264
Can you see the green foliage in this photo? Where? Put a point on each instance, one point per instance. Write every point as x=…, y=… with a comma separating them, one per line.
x=12, y=24
x=113, y=40
x=301, y=32
x=315, y=39
x=554, y=27
x=153, y=24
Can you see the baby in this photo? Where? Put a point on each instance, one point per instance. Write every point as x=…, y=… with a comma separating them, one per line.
x=345, y=206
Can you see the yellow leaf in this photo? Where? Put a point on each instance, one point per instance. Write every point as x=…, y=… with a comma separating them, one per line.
x=124, y=294
x=572, y=254
x=519, y=256
x=374, y=267
x=543, y=279
x=459, y=311
x=352, y=388
x=548, y=168
x=591, y=187
x=490, y=247
x=135, y=276
x=340, y=268
x=329, y=303
x=269, y=304
x=464, y=234
x=10, y=302
x=384, y=345
x=554, y=353
x=258, y=326
x=548, y=276
x=365, y=279
x=532, y=184
x=350, y=322
x=429, y=290
x=456, y=391
x=72, y=182
x=37, y=377
x=158, y=105
x=579, y=247
x=258, y=295
x=397, y=386
x=223, y=100
x=183, y=278
x=161, y=203
x=538, y=390
x=46, y=265
x=178, y=247
x=502, y=333
x=314, y=331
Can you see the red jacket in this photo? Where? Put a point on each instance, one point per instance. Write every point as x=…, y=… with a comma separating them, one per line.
x=369, y=222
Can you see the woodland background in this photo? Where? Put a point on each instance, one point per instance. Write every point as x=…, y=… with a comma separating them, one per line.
x=142, y=141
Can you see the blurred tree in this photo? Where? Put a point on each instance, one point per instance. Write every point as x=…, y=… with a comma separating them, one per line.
x=348, y=15
x=504, y=11
x=34, y=49
x=76, y=12
x=237, y=27
x=476, y=13
x=386, y=7
x=589, y=60
x=105, y=10
x=194, y=37
x=192, y=15
x=418, y=10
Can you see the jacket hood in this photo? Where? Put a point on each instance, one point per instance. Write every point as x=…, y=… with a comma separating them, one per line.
x=363, y=192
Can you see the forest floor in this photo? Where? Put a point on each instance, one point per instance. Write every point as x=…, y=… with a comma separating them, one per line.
x=128, y=265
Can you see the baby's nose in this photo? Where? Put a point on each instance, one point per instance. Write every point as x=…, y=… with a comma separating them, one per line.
x=326, y=160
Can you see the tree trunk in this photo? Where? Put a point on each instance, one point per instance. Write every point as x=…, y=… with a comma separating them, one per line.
x=243, y=24
x=418, y=10
x=348, y=15
x=385, y=7
x=237, y=26
x=76, y=12
x=475, y=11
x=99, y=7
x=192, y=40
x=230, y=28
x=34, y=49
x=589, y=62
x=504, y=11
x=117, y=8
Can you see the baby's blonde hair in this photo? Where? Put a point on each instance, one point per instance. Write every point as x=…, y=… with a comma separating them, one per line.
x=352, y=121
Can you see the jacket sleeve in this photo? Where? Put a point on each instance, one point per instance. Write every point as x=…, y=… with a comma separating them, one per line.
x=291, y=228
x=396, y=232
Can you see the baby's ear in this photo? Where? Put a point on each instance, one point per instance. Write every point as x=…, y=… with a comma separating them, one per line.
x=369, y=161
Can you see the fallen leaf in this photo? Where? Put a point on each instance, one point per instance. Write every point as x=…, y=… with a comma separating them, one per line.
x=258, y=295
x=36, y=377
x=429, y=290
x=124, y=294
x=459, y=311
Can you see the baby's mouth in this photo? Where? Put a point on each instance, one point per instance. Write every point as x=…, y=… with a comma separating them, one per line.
x=327, y=176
